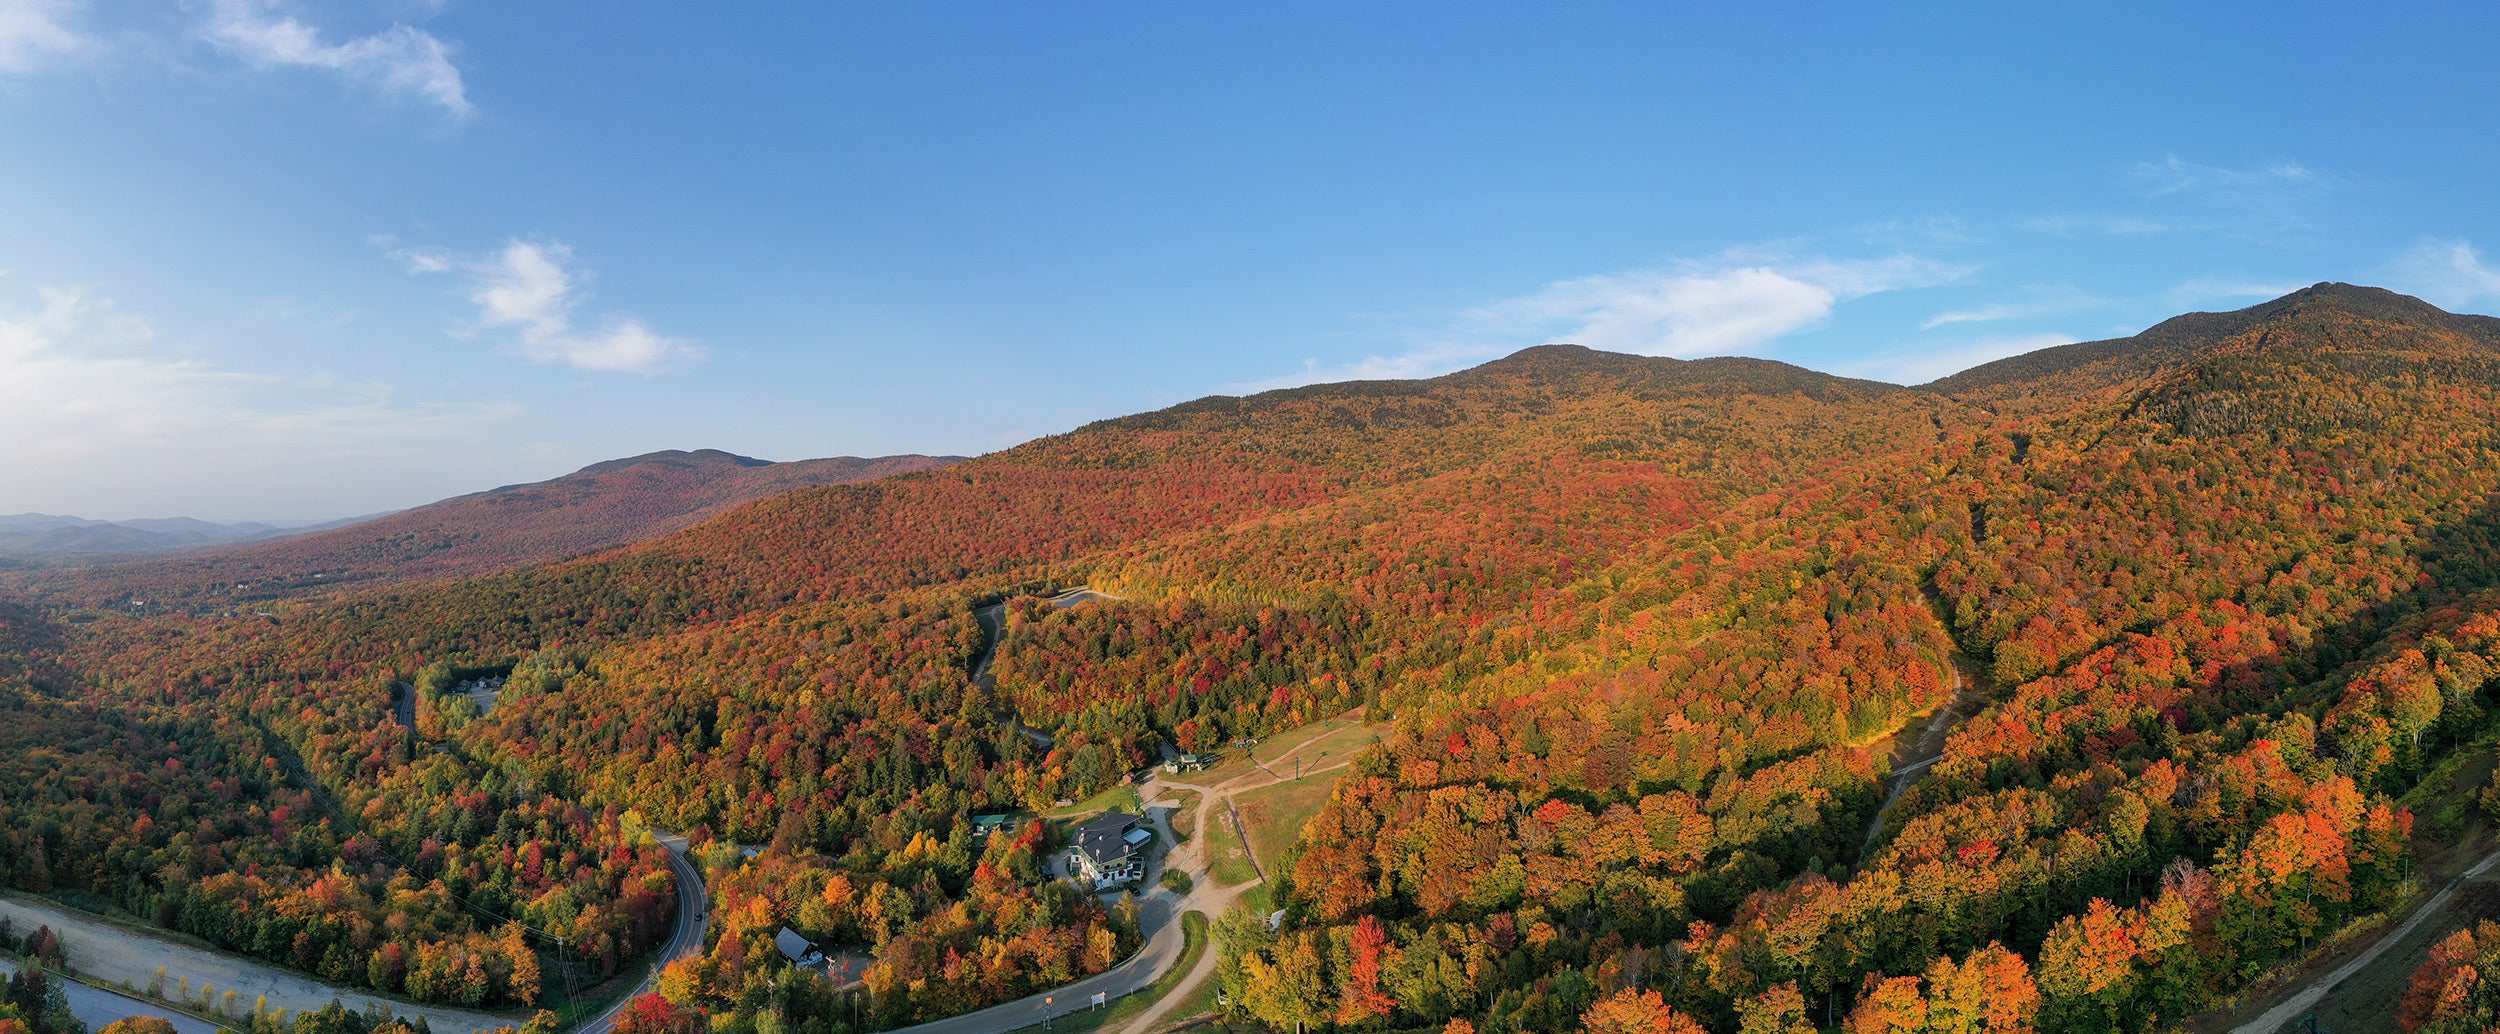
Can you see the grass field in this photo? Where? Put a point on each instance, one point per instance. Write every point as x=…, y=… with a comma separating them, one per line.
x=1258, y=900
x=1227, y=862
x=1345, y=733
x=1275, y=815
x=1330, y=742
x=1122, y=796
x=1193, y=945
x=1184, y=816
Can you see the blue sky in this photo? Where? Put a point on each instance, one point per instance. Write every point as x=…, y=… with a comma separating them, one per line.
x=294, y=260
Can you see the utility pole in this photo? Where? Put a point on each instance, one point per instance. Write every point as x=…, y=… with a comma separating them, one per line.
x=564, y=964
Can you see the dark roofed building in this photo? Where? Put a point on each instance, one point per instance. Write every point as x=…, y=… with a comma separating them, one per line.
x=1106, y=848
x=799, y=949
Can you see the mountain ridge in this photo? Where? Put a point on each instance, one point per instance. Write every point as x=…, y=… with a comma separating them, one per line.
x=2191, y=335
x=599, y=506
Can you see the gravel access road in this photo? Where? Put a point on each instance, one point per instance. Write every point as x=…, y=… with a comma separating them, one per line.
x=107, y=953
x=95, y=1008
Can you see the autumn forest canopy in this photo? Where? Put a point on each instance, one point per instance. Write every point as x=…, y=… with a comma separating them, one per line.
x=1650, y=633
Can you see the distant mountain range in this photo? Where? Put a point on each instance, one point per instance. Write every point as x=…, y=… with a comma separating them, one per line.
x=48, y=535
x=601, y=505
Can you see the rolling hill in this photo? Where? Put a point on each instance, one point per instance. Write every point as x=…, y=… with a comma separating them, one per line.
x=599, y=506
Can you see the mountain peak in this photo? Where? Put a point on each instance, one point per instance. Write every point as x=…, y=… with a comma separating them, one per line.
x=2318, y=314
x=2356, y=296
x=676, y=457
x=2352, y=299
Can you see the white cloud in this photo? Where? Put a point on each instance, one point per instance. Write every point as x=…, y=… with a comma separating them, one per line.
x=97, y=415
x=32, y=31
x=1927, y=364
x=400, y=61
x=527, y=288
x=1738, y=303
x=2447, y=273
x=1734, y=305
x=1928, y=231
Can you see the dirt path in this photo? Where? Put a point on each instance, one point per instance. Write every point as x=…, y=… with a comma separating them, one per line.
x=1207, y=896
x=1912, y=757
x=108, y=953
x=2307, y=998
x=1082, y=594
x=102, y=951
x=993, y=619
x=95, y=1007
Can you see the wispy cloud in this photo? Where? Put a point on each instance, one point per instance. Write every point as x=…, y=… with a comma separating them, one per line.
x=401, y=61
x=2217, y=289
x=2073, y=225
x=2175, y=196
x=1737, y=303
x=93, y=407
x=2046, y=301
x=35, y=31
x=1927, y=364
x=2262, y=183
x=2447, y=273
x=528, y=289
x=1924, y=232
x=1424, y=361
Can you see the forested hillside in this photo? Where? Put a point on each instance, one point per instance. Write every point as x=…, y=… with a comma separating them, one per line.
x=598, y=506
x=2217, y=595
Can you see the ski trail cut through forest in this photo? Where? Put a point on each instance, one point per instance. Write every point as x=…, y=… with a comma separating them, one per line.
x=1913, y=756
x=993, y=622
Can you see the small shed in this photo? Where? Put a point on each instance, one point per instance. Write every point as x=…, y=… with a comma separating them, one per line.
x=798, y=949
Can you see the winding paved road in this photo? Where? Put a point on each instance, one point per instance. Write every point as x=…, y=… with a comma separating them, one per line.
x=693, y=915
x=1205, y=895
x=1160, y=919
x=1163, y=947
